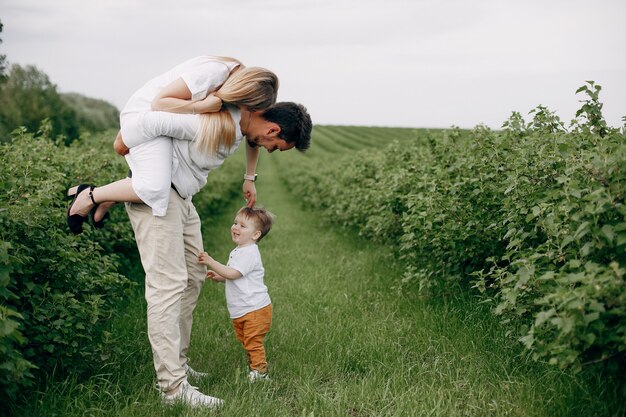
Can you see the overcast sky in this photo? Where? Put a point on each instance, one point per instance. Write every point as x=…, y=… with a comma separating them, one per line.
x=414, y=63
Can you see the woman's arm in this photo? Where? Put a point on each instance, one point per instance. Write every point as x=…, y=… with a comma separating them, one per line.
x=249, y=189
x=176, y=98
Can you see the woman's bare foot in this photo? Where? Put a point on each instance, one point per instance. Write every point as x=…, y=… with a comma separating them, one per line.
x=102, y=210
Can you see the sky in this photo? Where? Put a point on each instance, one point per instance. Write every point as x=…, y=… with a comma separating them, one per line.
x=411, y=63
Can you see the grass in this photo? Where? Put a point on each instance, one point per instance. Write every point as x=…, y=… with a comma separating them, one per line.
x=346, y=341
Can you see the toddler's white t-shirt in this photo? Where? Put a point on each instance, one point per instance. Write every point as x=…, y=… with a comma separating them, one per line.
x=249, y=292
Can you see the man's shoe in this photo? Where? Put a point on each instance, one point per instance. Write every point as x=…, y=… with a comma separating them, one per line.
x=190, y=395
x=193, y=373
x=254, y=376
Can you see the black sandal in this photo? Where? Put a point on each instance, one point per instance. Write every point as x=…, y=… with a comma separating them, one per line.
x=75, y=221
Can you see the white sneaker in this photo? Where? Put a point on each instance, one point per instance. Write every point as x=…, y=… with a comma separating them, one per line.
x=193, y=373
x=254, y=376
x=190, y=395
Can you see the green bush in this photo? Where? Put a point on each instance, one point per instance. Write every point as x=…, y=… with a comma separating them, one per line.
x=563, y=222
x=58, y=290
x=532, y=216
x=16, y=371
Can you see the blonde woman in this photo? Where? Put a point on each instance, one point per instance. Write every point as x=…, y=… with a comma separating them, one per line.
x=200, y=86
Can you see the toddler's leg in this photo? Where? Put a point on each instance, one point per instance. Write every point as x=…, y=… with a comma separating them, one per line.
x=255, y=328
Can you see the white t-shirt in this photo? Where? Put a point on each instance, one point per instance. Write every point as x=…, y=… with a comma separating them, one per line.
x=247, y=293
x=203, y=74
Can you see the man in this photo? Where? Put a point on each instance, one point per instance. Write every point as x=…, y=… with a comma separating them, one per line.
x=169, y=245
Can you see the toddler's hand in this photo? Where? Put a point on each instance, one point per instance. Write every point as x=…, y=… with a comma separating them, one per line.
x=215, y=276
x=204, y=258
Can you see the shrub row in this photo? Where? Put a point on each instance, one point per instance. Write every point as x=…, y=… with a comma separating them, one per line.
x=532, y=216
x=58, y=291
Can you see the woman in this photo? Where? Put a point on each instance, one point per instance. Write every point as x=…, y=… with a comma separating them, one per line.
x=198, y=87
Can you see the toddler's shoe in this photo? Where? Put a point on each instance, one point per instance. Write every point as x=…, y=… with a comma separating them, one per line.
x=254, y=376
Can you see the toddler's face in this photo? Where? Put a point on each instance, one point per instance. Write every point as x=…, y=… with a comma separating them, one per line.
x=244, y=231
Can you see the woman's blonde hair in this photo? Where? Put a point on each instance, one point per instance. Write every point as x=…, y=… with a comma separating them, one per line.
x=217, y=131
x=255, y=88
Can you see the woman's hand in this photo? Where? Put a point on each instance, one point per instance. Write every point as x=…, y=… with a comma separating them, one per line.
x=210, y=104
x=119, y=146
x=249, y=193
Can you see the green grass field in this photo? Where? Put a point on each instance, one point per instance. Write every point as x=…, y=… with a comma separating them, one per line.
x=345, y=340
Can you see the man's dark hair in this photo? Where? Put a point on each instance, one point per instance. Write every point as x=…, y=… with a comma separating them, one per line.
x=294, y=121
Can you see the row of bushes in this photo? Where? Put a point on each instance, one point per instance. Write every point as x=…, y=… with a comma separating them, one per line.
x=532, y=216
x=57, y=290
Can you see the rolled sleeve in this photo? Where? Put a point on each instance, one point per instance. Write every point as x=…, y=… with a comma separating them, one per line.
x=178, y=126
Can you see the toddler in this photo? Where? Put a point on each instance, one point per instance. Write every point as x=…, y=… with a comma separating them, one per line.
x=247, y=298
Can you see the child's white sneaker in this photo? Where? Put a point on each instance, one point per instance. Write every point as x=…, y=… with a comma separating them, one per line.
x=190, y=395
x=254, y=376
x=193, y=373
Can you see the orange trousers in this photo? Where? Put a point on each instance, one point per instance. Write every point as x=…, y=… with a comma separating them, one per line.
x=251, y=330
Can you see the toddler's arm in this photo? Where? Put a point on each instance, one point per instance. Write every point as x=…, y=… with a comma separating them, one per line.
x=221, y=269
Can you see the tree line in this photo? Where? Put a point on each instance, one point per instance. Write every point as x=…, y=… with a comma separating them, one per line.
x=27, y=96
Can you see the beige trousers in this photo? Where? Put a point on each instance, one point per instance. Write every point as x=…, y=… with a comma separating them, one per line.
x=169, y=247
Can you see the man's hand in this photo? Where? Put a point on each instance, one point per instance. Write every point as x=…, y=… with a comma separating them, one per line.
x=249, y=193
x=214, y=276
x=119, y=145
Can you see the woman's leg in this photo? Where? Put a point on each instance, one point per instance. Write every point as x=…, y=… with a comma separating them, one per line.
x=151, y=165
x=107, y=195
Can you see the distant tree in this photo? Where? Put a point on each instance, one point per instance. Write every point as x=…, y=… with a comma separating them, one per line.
x=93, y=114
x=27, y=97
x=3, y=61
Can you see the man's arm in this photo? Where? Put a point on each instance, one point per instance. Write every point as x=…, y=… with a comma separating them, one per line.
x=155, y=124
x=249, y=189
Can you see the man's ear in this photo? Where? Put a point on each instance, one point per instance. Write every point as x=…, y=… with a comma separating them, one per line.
x=274, y=130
